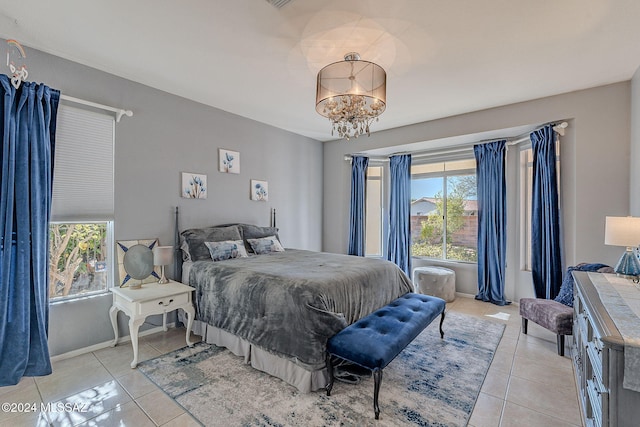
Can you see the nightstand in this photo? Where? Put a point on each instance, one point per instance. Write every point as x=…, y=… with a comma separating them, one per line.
x=152, y=298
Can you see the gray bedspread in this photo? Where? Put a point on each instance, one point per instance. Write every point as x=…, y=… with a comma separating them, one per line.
x=290, y=303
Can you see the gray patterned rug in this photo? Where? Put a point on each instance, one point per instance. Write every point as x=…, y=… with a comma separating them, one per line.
x=433, y=382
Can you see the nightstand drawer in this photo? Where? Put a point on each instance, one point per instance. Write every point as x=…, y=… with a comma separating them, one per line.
x=160, y=305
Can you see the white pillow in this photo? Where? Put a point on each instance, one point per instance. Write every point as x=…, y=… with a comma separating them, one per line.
x=226, y=249
x=265, y=245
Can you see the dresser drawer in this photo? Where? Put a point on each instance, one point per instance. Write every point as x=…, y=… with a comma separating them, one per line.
x=160, y=305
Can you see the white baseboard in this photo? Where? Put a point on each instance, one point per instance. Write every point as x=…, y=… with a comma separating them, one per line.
x=464, y=295
x=106, y=344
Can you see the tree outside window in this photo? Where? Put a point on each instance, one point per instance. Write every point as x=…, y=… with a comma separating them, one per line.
x=78, y=259
x=444, y=214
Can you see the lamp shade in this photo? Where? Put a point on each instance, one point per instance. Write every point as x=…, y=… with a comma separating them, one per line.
x=351, y=94
x=622, y=231
x=162, y=255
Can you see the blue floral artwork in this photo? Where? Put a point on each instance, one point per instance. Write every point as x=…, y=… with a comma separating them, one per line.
x=229, y=161
x=259, y=190
x=194, y=185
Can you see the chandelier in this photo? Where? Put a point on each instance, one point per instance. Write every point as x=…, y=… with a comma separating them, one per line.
x=352, y=94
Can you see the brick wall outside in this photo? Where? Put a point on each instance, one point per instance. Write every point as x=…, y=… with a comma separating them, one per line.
x=467, y=236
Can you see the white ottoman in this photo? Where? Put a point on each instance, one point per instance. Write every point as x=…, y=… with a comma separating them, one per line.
x=436, y=281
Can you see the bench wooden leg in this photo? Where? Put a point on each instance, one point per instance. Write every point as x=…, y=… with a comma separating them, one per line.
x=560, y=340
x=330, y=369
x=524, y=325
x=377, y=379
x=441, y=322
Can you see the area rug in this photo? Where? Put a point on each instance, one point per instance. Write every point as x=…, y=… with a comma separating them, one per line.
x=433, y=382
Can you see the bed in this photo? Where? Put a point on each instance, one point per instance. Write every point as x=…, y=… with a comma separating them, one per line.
x=278, y=307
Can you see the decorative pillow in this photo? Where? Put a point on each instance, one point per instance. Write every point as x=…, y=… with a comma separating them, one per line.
x=565, y=295
x=265, y=245
x=255, y=232
x=186, y=256
x=226, y=250
x=196, y=237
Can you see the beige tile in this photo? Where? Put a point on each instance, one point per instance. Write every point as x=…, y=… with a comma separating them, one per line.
x=56, y=387
x=508, y=345
x=495, y=384
x=27, y=397
x=70, y=366
x=541, y=351
x=184, y=420
x=502, y=361
x=24, y=382
x=556, y=376
x=127, y=415
x=159, y=407
x=32, y=419
x=173, y=339
x=118, y=359
x=88, y=404
x=511, y=332
x=542, y=398
x=519, y=416
x=136, y=384
x=487, y=411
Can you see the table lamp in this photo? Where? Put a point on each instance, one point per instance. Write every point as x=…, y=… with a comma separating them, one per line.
x=162, y=255
x=624, y=231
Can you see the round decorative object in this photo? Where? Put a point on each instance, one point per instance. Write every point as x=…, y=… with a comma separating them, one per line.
x=138, y=262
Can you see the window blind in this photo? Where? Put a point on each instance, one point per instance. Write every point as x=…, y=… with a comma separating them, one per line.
x=83, y=166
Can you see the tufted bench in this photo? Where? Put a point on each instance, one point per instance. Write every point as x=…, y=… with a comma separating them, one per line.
x=375, y=340
x=556, y=317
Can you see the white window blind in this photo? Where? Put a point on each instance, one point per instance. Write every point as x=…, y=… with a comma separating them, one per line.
x=83, y=166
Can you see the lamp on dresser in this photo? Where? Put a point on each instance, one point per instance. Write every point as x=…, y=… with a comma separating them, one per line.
x=624, y=231
x=162, y=255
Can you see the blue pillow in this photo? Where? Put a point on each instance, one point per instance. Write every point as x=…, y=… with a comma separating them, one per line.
x=227, y=249
x=265, y=245
x=565, y=296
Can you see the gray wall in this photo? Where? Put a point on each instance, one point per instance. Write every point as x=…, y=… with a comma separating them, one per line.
x=634, y=187
x=166, y=136
x=594, y=171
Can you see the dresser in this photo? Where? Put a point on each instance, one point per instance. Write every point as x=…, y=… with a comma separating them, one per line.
x=598, y=352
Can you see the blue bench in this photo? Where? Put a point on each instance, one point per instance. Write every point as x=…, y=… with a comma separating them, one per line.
x=375, y=340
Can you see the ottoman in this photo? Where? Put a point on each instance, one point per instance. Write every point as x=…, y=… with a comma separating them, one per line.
x=436, y=281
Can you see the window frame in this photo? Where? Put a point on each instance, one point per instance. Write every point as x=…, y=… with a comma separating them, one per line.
x=91, y=126
x=444, y=174
x=382, y=200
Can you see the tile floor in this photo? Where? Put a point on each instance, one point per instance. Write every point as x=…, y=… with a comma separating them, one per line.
x=528, y=384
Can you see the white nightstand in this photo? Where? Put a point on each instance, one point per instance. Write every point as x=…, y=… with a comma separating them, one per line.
x=152, y=298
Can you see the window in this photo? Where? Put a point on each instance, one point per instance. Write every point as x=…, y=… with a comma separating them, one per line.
x=373, y=219
x=526, y=197
x=444, y=210
x=81, y=227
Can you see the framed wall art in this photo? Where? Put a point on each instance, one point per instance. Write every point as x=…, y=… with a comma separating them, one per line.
x=259, y=190
x=194, y=185
x=229, y=161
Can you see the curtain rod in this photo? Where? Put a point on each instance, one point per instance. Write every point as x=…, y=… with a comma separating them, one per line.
x=119, y=111
x=559, y=128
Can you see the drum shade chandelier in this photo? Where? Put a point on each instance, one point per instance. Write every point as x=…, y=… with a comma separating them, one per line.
x=351, y=94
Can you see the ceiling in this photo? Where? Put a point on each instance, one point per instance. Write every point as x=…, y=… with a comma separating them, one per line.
x=250, y=58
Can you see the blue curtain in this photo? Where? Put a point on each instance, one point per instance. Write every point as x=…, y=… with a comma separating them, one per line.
x=357, y=216
x=28, y=130
x=546, y=259
x=399, y=247
x=492, y=221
